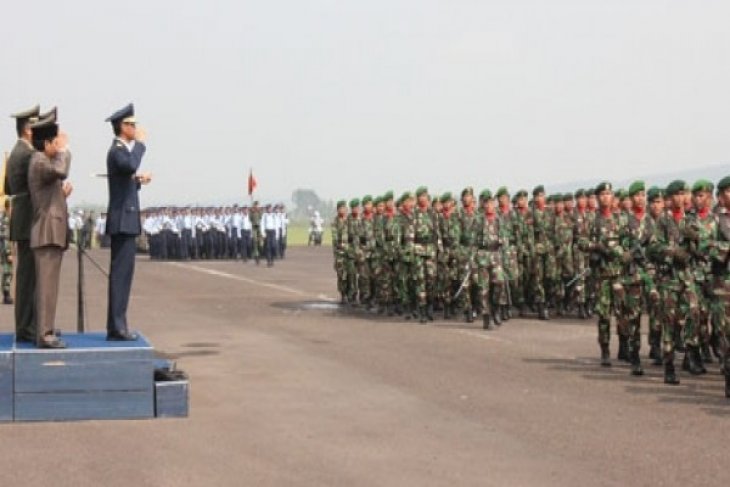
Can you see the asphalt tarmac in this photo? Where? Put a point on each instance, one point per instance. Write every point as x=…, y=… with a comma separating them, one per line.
x=287, y=389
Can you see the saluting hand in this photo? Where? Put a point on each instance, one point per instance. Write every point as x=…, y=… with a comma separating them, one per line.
x=61, y=142
x=144, y=177
x=140, y=134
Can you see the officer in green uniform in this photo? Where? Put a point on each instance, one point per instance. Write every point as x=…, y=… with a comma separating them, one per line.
x=490, y=274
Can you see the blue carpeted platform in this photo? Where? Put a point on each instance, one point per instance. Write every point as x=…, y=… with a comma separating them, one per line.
x=91, y=379
x=6, y=377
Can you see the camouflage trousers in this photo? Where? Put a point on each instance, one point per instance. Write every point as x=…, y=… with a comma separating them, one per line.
x=524, y=292
x=341, y=270
x=467, y=275
x=403, y=288
x=511, y=266
x=365, y=277
x=424, y=274
x=385, y=279
x=543, y=276
x=447, y=274
x=641, y=292
x=564, y=273
x=580, y=264
x=351, y=271
x=679, y=312
x=609, y=303
x=490, y=280
x=720, y=306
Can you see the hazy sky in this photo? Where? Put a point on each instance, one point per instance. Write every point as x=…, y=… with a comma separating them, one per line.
x=349, y=97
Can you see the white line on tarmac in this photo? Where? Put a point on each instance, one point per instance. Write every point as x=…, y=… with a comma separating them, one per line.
x=247, y=280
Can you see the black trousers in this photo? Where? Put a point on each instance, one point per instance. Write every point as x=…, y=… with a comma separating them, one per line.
x=25, y=317
x=121, y=273
x=270, y=245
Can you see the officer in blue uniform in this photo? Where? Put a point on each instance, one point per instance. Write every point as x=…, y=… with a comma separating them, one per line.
x=123, y=221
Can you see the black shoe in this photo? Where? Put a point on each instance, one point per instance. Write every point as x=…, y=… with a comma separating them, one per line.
x=121, y=336
x=25, y=339
x=670, y=377
x=605, y=356
x=505, y=313
x=497, y=319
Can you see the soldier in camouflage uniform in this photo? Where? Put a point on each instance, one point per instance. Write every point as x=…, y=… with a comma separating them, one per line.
x=705, y=223
x=679, y=299
x=376, y=258
x=427, y=243
x=6, y=253
x=563, y=240
x=386, y=241
x=641, y=291
x=366, y=235
x=543, y=269
x=448, y=258
x=511, y=237
x=581, y=264
x=720, y=255
x=340, y=239
x=655, y=198
x=257, y=236
x=467, y=272
x=353, y=252
x=525, y=250
x=605, y=242
x=407, y=254
x=490, y=274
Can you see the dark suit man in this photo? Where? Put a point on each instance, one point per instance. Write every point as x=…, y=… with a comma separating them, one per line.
x=49, y=167
x=16, y=185
x=123, y=221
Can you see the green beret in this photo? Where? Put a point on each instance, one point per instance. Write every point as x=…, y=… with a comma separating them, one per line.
x=406, y=196
x=354, y=203
x=567, y=197
x=341, y=204
x=621, y=193
x=388, y=196
x=538, y=189
x=591, y=192
x=446, y=197
x=654, y=193
x=636, y=187
x=580, y=193
x=367, y=199
x=485, y=195
x=604, y=186
x=377, y=200
x=421, y=190
x=723, y=184
x=435, y=198
x=676, y=186
x=502, y=191
x=702, y=185
x=521, y=193
x=467, y=191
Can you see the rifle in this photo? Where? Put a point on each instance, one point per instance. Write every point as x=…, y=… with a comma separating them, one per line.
x=583, y=273
x=467, y=270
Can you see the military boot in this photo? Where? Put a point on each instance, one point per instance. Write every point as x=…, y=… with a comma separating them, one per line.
x=636, y=362
x=422, y=314
x=397, y=309
x=469, y=315
x=706, y=354
x=623, y=346
x=487, y=322
x=605, y=355
x=496, y=318
x=670, y=377
x=691, y=363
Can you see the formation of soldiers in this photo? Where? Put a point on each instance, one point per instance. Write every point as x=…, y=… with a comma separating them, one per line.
x=231, y=232
x=659, y=252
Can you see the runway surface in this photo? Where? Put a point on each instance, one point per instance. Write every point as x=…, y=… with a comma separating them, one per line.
x=287, y=389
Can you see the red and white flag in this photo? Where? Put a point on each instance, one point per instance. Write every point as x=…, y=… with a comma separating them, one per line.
x=251, y=182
